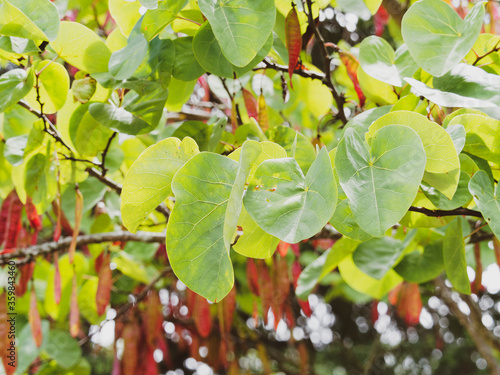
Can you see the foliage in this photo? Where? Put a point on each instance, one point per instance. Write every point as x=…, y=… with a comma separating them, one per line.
x=203, y=162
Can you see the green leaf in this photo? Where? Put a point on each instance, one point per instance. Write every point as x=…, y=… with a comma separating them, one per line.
x=382, y=182
x=20, y=46
x=184, y=56
x=445, y=99
x=88, y=136
x=197, y=130
x=81, y=47
x=378, y=59
x=360, y=123
x=30, y=351
x=470, y=81
x=457, y=134
x=442, y=169
x=149, y=4
x=54, y=87
x=454, y=257
x=482, y=136
x=209, y=54
x=461, y=197
x=436, y=36
x=83, y=89
x=344, y=222
x=420, y=267
x=118, y=119
x=156, y=20
x=148, y=181
x=234, y=23
x=61, y=347
x=14, y=149
x=124, y=62
x=323, y=265
x=14, y=85
x=377, y=91
x=288, y=205
x=487, y=200
x=377, y=256
x=125, y=13
x=129, y=267
x=37, y=20
x=285, y=137
x=254, y=242
x=197, y=242
x=365, y=284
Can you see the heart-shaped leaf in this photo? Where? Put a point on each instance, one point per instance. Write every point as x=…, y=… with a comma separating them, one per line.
x=234, y=25
x=118, y=119
x=381, y=182
x=14, y=85
x=148, y=180
x=436, y=36
x=377, y=256
x=442, y=169
x=482, y=137
x=420, y=267
x=254, y=242
x=209, y=191
x=487, y=199
x=377, y=58
x=209, y=54
x=289, y=205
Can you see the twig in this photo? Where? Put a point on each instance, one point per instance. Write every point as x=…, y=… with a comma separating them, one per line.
x=136, y=298
x=495, y=49
x=30, y=253
x=105, y=153
x=49, y=127
x=439, y=213
x=284, y=68
x=339, y=98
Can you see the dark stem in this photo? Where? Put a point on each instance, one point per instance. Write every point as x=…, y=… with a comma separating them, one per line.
x=440, y=213
x=30, y=253
x=105, y=153
x=284, y=68
x=339, y=98
x=495, y=49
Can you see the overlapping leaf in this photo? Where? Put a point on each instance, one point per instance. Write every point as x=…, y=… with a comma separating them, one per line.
x=442, y=169
x=436, y=36
x=241, y=26
x=289, y=205
x=487, y=199
x=380, y=182
x=148, y=181
x=454, y=257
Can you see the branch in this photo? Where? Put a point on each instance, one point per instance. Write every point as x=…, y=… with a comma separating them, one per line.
x=105, y=153
x=440, y=213
x=136, y=298
x=495, y=49
x=339, y=98
x=473, y=326
x=284, y=68
x=161, y=208
x=49, y=127
x=32, y=252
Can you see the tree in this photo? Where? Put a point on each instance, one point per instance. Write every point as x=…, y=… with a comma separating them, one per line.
x=249, y=186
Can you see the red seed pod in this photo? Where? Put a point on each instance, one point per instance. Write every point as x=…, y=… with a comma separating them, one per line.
x=293, y=40
x=202, y=317
x=34, y=319
x=25, y=274
x=104, y=285
x=153, y=318
x=250, y=104
x=252, y=277
x=283, y=248
x=78, y=220
x=32, y=215
x=74, y=312
x=351, y=64
x=228, y=306
x=131, y=337
x=263, y=117
x=265, y=288
x=10, y=221
x=57, y=279
x=413, y=304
